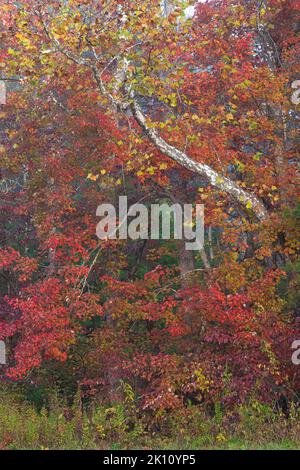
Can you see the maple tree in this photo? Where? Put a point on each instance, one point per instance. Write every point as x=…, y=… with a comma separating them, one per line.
x=117, y=97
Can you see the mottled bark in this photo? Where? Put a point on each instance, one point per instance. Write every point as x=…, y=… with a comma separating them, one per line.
x=215, y=179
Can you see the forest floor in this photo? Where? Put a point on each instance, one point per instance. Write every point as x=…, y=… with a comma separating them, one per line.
x=120, y=427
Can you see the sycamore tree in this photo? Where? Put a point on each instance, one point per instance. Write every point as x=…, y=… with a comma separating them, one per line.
x=143, y=99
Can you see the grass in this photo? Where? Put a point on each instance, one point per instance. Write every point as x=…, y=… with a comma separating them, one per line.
x=118, y=427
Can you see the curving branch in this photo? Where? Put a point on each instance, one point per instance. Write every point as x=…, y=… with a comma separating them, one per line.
x=225, y=184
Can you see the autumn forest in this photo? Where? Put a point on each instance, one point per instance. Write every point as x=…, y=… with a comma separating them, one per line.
x=133, y=343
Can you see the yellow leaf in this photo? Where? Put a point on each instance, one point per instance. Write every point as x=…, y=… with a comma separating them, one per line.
x=163, y=166
x=10, y=51
x=92, y=177
x=151, y=170
x=219, y=180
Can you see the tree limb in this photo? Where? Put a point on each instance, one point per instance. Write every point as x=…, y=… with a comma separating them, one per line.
x=223, y=183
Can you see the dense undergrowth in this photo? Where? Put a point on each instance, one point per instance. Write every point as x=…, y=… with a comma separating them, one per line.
x=119, y=427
